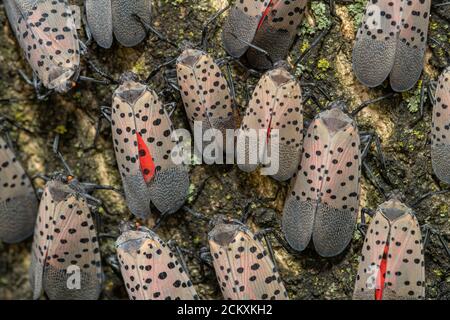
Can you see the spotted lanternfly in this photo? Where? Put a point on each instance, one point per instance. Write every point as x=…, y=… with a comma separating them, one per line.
x=18, y=203
x=323, y=203
x=275, y=104
x=392, y=263
x=47, y=33
x=270, y=25
x=245, y=270
x=65, y=260
x=150, y=269
x=205, y=92
x=392, y=41
x=440, y=131
x=144, y=146
x=118, y=17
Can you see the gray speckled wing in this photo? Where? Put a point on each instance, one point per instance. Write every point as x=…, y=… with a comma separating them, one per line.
x=99, y=18
x=17, y=218
x=440, y=128
x=137, y=195
x=411, y=45
x=127, y=29
x=298, y=222
x=276, y=33
x=238, y=26
x=169, y=189
x=376, y=40
x=333, y=230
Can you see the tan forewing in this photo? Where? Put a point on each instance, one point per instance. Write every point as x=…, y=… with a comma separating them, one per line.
x=245, y=271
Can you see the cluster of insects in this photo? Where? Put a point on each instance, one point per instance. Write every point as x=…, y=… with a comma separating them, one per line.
x=323, y=158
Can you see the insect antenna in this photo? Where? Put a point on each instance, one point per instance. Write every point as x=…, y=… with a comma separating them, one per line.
x=369, y=102
x=264, y=52
x=153, y=30
x=96, y=69
x=60, y=156
x=204, y=41
x=428, y=195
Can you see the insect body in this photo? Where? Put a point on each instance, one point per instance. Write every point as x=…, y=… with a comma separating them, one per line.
x=18, y=203
x=118, y=17
x=143, y=143
x=65, y=259
x=392, y=262
x=46, y=31
x=323, y=204
x=392, y=41
x=275, y=104
x=270, y=25
x=440, y=131
x=244, y=269
x=205, y=92
x=150, y=269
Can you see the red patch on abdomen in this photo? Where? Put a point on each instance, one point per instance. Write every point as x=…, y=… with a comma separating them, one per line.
x=145, y=160
x=381, y=275
x=269, y=130
x=266, y=12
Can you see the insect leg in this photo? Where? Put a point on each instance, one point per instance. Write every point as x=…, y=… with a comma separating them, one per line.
x=374, y=138
x=281, y=240
x=196, y=214
x=86, y=28
x=25, y=77
x=264, y=234
x=444, y=244
x=175, y=247
x=372, y=179
x=105, y=113
x=170, y=108
x=205, y=256
x=315, y=42
x=363, y=225
x=231, y=84
x=93, y=80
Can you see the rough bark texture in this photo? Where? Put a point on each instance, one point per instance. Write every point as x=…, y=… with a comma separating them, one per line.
x=404, y=140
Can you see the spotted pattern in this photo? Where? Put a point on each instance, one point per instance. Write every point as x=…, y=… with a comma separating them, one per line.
x=275, y=104
x=392, y=40
x=244, y=269
x=323, y=202
x=142, y=136
x=46, y=32
x=243, y=21
x=394, y=226
x=440, y=128
x=150, y=269
x=65, y=237
x=204, y=90
x=276, y=32
x=18, y=204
